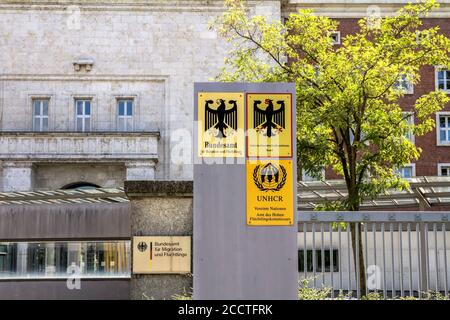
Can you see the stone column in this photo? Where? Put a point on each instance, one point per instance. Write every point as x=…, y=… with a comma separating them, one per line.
x=160, y=208
x=140, y=170
x=17, y=176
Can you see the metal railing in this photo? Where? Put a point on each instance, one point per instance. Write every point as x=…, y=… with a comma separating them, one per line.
x=403, y=253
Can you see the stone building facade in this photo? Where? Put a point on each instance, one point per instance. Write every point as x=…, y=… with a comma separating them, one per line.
x=100, y=92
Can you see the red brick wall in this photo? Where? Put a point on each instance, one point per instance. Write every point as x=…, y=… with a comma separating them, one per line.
x=432, y=154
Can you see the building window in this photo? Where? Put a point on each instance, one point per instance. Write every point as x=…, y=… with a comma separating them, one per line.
x=444, y=169
x=422, y=36
x=307, y=176
x=443, y=130
x=318, y=260
x=335, y=37
x=407, y=171
x=125, y=114
x=55, y=259
x=443, y=79
x=40, y=114
x=404, y=85
x=409, y=118
x=83, y=114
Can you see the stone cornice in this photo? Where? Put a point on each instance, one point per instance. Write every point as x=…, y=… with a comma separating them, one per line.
x=84, y=77
x=357, y=8
x=330, y=8
x=34, y=134
x=122, y=5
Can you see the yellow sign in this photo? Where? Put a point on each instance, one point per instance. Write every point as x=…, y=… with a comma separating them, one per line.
x=161, y=255
x=270, y=196
x=221, y=124
x=269, y=119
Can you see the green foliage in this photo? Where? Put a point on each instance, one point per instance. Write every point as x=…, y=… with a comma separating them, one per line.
x=344, y=296
x=183, y=296
x=305, y=292
x=348, y=105
x=373, y=296
x=434, y=295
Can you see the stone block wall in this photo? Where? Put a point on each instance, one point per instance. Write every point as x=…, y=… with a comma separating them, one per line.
x=160, y=208
x=152, y=50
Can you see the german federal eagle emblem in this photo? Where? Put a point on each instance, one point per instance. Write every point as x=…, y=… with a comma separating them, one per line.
x=269, y=121
x=142, y=246
x=221, y=121
x=270, y=177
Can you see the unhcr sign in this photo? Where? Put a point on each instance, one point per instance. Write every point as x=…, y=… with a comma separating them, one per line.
x=245, y=226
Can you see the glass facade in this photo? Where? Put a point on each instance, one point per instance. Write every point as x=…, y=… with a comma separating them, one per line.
x=62, y=258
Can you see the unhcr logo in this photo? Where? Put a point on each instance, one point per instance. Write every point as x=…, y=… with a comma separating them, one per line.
x=270, y=177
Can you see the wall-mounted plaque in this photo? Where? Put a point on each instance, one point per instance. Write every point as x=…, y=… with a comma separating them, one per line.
x=161, y=255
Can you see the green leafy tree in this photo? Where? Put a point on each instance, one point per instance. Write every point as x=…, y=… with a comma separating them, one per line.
x=348, y=113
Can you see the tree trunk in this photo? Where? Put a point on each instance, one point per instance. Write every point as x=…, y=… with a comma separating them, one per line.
x=357, y=235
x=362, y=266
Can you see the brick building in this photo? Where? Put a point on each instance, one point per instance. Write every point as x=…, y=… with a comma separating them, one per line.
x=435, y=157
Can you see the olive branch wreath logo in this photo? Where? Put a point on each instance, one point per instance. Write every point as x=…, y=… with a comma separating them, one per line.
x=260, y=185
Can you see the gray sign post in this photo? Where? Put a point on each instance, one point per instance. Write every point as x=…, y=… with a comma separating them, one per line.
x=232, y=259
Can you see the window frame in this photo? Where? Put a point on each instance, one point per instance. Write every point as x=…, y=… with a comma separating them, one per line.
x=125, y=117
x=413, y=170
x=413, y=137
x=409, y=90
x=437, y=69
x=419, y=34
x=40, y=116
x=443, y=165
x=31, y=97
x=338, y=41
x=438, y=133
x=84, y=99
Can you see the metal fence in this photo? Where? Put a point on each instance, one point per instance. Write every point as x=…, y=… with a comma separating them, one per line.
x=404, y=253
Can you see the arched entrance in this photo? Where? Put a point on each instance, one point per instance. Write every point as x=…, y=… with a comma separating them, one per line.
x=80, y=185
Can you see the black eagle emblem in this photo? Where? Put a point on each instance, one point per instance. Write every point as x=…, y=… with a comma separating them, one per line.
x=142, y=246
x=269, y=118
x=221, y=118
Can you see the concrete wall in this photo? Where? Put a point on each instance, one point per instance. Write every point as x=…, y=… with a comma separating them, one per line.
x=65, y=221
x=106, y=176
x=160, y=208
